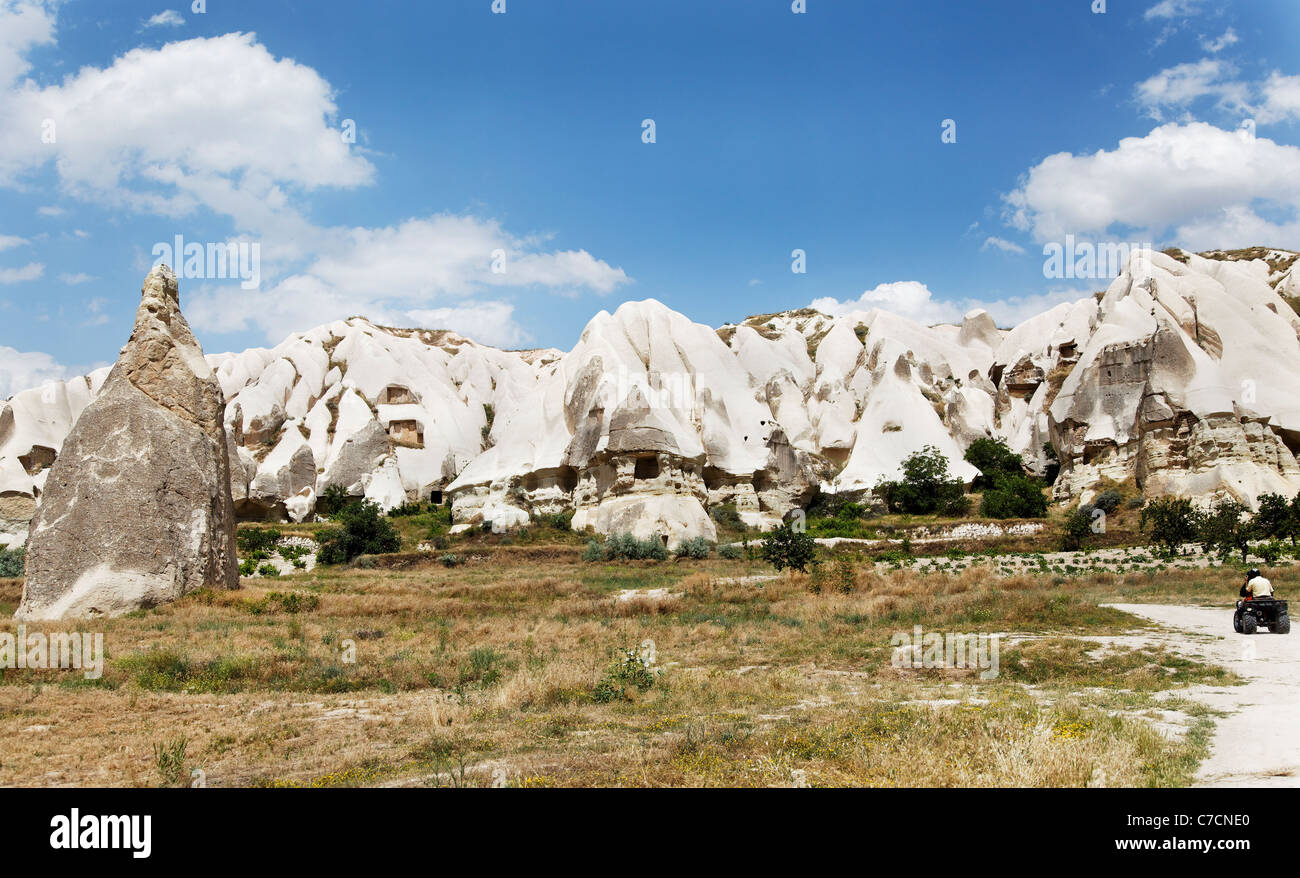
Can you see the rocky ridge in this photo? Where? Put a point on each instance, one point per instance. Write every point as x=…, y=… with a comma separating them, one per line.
x=1180, y=375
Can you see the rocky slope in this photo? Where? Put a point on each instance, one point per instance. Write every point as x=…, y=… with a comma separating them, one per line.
x=1181, y=375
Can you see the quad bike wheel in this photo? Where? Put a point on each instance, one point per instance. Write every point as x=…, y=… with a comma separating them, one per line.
x=1283, y=625
x=1249, y=625
x=1236, y=622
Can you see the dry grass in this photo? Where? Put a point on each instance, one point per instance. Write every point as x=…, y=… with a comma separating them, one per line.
x=492, y=671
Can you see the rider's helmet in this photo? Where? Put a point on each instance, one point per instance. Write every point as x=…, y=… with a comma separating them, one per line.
x=1252, y=573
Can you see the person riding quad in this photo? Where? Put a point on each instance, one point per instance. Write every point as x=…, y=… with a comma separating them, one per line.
x=1256, y=586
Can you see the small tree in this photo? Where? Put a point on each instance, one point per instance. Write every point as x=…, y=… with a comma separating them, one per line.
x=1171, y=521
x=1226, y=529
x=926, y=486
x=994, y=460
x=1278, y=518
x=362, y=530
x=787, y=547
x=1078, y=529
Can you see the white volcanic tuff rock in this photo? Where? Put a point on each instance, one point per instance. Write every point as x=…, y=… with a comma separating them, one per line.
x=1186, y=383
x=627, y=428
x=33, y=425
x=388, y=414
x=790, y=399
x=136, y=509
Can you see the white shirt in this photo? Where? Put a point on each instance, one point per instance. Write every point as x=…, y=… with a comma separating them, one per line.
x=1260, y=587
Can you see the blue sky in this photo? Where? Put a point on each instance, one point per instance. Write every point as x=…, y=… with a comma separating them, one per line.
x=522, y=132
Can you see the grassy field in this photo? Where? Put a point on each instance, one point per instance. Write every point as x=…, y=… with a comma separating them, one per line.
x=513, y=669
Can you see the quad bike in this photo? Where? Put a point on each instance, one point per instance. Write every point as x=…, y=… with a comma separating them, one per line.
x=1259, y=613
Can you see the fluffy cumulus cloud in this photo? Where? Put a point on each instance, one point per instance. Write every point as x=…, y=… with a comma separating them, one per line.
x=1194, y=185
x=403, y=275
x=20, y=370
x=1281, y=99
x=221, y=127
x=915, y=301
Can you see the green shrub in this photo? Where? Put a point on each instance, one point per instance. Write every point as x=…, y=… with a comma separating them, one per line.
x=1108, y=501
x=787, y=547
x=268, y=569
x=362, y=530
x=844, y=575
x=334, y=499
x=293, y=552
x=169, y=758
x=619, y=547
x=628, y=672
x=247, y=567
x=728, y=518
x=1014, y=496
x=450, y=560
x=730, y=552
x=257, y=539
x=13, y=563
x=696, y=547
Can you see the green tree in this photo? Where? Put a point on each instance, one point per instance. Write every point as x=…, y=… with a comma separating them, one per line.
x=994, y=460
x=1171, y=521
x=926, y=486
x=1078, y=529
x=1278, y=518
x=1226, y=529
x=789, y=547
x=362, y=530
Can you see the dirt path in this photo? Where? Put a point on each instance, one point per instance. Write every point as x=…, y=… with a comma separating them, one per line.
x=1258, y=743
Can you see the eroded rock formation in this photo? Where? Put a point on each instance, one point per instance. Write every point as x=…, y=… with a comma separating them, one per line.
x=1180, y=376
x=136, y=508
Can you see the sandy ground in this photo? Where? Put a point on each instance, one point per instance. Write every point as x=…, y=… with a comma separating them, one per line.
x=1258, y=743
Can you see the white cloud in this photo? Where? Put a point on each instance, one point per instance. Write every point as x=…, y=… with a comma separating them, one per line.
x=915, y=301
x=1194, y=185
x=167, y=18
x=1178, y=87
x=31, y=271
x=1173, y=9
x=1002, y=244
x=51, y=211
x=24, y=24
x=485, y=322
x=1218, y=44
x=1281, y=96
x=221, y=125
x=20, y=370
x=73, y=280
x=217, y=123
x=409, y=268
x=8, y=242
